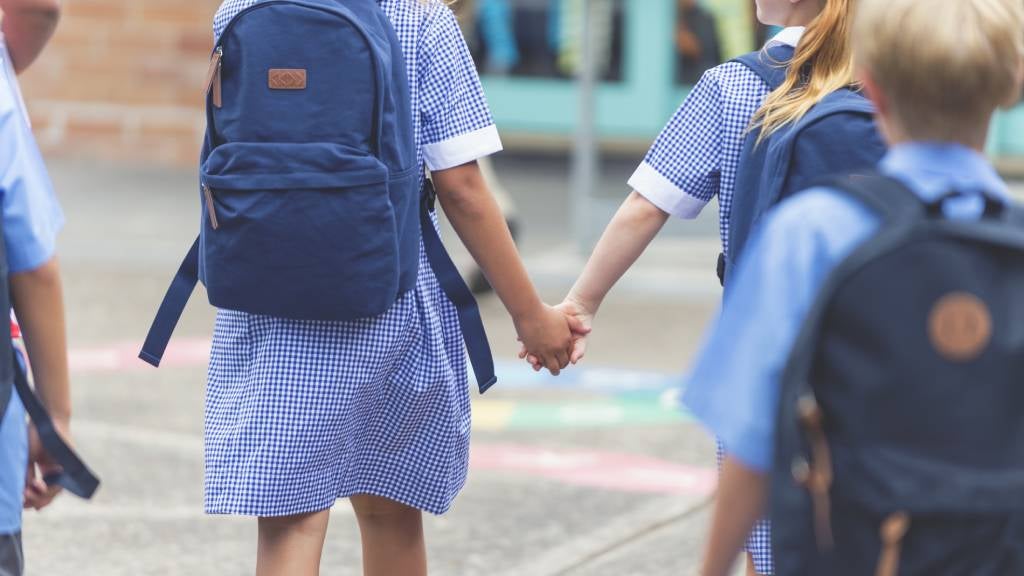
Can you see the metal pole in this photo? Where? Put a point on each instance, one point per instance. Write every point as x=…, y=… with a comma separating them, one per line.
x=585, y=153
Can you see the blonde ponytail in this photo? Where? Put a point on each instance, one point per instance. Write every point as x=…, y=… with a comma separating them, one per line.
x=822, y=64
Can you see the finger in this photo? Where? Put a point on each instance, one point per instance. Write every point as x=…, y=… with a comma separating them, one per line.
x=35, y=494
x=553, y=366
x=577, y=326
x=46, y=497
x=563, y=359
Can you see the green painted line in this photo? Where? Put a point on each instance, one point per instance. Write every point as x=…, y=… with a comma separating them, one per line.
x=597, y=414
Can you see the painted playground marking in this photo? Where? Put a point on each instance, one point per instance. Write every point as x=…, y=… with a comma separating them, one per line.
x=616, y=472
x=625, y=397
x=603, y=470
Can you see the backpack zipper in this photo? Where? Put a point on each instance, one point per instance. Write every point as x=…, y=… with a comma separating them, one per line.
x=213, y=77
x=211, y=208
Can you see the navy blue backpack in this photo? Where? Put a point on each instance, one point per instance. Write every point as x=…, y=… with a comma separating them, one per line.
x=900, y=439
x=837, y=137
x=313, y=201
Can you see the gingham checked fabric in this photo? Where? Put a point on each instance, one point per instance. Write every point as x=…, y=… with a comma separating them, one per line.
x=299, y=414
x=698, y=152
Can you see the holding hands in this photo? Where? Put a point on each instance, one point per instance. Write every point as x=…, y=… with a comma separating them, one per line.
x=552, y=349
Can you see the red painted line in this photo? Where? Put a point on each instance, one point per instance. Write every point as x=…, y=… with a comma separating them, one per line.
x=119, y=357
x=609, y=471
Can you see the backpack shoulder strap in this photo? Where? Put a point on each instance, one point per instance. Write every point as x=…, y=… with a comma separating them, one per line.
x=171, y=308
x=473, y=333
x=886, y=196
x=74, y=475
x=770, y=64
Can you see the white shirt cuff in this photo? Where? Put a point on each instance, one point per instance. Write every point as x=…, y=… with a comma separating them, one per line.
x=463, y=149
x=661, y=192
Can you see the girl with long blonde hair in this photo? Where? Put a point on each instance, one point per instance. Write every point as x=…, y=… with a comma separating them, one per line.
x=696, y=158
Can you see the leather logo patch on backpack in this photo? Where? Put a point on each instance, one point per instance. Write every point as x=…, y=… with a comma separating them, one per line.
x=960, y=327
x=287, y=79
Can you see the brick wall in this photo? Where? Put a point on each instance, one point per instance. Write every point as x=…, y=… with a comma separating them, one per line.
x=122, y=80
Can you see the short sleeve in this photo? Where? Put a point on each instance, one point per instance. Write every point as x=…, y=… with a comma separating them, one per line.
x=734, y=388
x=456, y=121
x=681, y=172
x=32, y=217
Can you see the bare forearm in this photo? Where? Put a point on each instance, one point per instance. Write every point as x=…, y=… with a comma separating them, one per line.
x=478, y=221
x=742, y=494
x=28, y=25
x=628, y=234
x=38, y=300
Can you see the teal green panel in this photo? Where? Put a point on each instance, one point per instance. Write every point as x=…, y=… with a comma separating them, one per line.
x=634, y=108
x=1009, y=132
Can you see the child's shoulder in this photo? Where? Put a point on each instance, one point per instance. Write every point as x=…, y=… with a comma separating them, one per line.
x=733, y=80
x=821, y=215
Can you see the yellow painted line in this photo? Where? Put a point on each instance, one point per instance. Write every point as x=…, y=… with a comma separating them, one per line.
x=492, y=415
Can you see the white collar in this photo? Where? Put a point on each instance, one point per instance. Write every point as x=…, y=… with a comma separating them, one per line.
x=790, y=36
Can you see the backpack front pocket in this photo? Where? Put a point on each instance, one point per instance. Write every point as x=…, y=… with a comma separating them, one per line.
x=301, y=231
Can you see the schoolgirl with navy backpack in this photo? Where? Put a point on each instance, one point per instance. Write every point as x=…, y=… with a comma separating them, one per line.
x=865, y=373
x=338, y=367
x=697, y=158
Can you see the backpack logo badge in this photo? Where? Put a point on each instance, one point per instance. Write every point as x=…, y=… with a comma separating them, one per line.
x=287, y=79
x=960, y=327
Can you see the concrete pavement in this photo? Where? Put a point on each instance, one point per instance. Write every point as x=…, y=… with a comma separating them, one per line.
x=539, y=500
x=592, y=474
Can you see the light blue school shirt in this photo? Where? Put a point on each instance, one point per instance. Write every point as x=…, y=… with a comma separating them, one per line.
x=31, y=218
x=734, y=388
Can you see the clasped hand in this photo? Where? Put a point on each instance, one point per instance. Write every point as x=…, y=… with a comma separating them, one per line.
x=556, y=337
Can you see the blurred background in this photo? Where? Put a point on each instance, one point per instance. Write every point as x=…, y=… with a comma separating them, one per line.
x=593, y=473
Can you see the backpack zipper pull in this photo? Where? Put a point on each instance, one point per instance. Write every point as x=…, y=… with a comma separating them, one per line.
x=213, y=77
x=210, y=207
x=819, y=476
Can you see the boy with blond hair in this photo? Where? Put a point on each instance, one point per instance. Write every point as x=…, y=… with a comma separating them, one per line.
x=864, y=375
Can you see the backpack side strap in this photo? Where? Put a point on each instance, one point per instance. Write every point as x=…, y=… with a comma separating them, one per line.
x=171, y=309
x=461, y=296
x=75, y=476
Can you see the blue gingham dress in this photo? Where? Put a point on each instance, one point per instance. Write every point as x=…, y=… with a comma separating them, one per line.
x=696, y=158
x=298, y=413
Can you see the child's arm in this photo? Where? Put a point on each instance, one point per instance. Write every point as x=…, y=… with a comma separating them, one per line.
x=38, y=300
x=475, y=215
x=28, y=26
x=629, y=233
x=742, y=493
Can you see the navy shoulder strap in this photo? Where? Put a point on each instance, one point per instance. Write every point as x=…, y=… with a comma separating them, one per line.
x=770, y=64
x=477, y=346
x=172, y=307
x=75, y=476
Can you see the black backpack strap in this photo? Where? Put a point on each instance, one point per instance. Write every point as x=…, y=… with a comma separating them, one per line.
x=458, y=292
x=889, y=198
x=75, y=476
x=171, y=309
x=770, y=64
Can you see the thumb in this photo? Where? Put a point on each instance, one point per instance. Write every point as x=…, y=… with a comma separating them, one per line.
x=579, y=350
x=577, y=326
